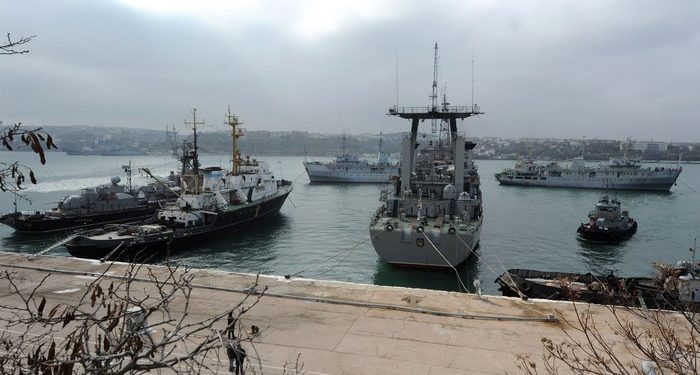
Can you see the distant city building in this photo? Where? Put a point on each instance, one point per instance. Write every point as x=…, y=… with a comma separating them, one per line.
x=645, y=146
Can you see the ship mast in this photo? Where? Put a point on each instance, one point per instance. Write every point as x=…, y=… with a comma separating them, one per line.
x=233, y=121
x=127, y=169
x=446, y=113
x=195, y=157
x=343, y=144
x=434, y=94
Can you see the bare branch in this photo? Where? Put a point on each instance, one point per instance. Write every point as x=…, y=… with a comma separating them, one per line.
x=668, y=340
x=14, y=174
x=118, y=325
x=9, y=48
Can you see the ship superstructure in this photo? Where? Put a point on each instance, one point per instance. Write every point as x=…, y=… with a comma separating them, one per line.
x=213, y=201
x=433, y=215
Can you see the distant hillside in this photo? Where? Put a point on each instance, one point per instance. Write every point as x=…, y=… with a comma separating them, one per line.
x=125, y=141
x=299, y=143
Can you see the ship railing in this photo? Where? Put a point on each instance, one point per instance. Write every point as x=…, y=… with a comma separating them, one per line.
x=440, y=109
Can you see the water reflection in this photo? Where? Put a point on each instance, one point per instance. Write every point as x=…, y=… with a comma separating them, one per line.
x=601, y=257
x=440, y=279
x=30, y=243
x=252, y=247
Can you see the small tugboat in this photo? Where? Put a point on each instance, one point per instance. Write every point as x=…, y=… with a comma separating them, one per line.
x=214, y=201
x=608, y=223
x=108, y=203
x=349, y=168
x=432, y=217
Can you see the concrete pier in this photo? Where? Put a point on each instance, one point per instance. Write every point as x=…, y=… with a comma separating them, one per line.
x=343, y=328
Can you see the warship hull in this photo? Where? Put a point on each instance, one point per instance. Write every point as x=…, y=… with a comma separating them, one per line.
x=42, y=223
x=161, y=244
x=662, y=182
x=322, y=173
x=407, y=247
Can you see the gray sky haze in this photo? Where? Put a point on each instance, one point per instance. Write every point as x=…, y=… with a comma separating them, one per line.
x=599, y=69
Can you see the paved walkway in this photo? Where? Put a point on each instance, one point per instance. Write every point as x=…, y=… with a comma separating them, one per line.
x=344, y=328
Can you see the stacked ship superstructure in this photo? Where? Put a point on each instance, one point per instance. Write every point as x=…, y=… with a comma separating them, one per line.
x=433, y=215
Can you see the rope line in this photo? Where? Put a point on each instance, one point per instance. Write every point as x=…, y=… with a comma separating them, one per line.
x=686, y=185
x=447, y=261
x=493, y=270
x=347, y=254
x=495, y=273
x=512, y=282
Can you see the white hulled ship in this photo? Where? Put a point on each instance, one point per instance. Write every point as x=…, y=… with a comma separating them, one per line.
x=433, y=215
x=349, y=168
x=616, y=174
x=213, y=201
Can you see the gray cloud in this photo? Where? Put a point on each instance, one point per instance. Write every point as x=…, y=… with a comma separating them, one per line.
x=543, y=69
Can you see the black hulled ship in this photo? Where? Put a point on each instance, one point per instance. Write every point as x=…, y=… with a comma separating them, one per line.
x=213, y=201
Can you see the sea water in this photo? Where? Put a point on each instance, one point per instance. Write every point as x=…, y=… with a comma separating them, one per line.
x=322, y=230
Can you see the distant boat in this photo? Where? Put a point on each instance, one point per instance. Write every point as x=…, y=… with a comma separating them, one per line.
x=607, y=222
x=616, y=174
x=349, y=168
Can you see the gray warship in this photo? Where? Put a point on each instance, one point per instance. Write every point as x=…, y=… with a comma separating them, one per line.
x=433, y=215
x=349, y=168
x=616, y=174
x=95, y=206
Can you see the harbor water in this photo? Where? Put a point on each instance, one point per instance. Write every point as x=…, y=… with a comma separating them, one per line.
x=322, y=231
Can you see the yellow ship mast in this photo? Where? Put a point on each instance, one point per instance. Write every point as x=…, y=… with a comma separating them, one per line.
x=233, y=121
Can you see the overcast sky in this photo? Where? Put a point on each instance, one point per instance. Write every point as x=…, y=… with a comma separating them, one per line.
x=599, y=69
